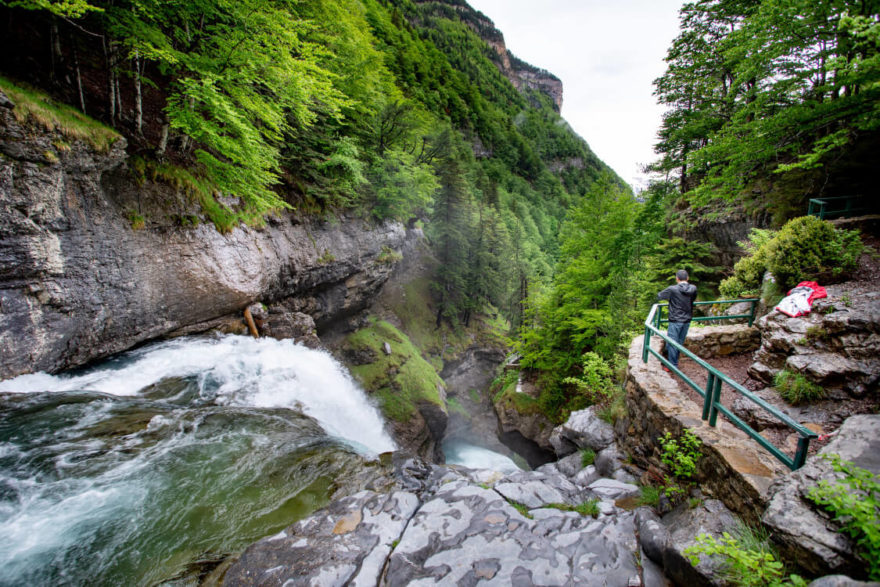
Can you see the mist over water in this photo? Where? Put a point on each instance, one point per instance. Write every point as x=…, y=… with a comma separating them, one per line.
x=131, y=471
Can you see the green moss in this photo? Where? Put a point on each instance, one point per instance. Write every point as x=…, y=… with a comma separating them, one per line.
x=32, y=105
x=455, y=406
x=587, y=508
x=507, y=396
x=400, y=380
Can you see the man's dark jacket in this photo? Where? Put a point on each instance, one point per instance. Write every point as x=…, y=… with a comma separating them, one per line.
x=681, y=298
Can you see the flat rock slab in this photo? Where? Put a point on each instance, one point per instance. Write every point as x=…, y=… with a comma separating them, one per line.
x=612, y=488
x=467, y=534
x=345, y=544
x=535, y=489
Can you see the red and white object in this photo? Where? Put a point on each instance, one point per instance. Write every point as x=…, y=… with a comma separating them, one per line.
x=800, y=299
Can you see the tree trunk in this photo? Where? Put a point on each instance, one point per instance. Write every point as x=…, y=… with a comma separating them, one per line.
x=138, y=99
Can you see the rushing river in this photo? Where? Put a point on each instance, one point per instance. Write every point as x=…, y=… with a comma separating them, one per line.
x=146, y=467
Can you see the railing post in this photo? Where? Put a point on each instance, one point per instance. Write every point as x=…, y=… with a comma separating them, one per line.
x=752, y=312
x=716, y=397
x=646, y=344
x=801, y=455
x=707, y=397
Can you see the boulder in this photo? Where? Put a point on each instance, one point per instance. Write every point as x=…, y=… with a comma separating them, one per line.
x=535, y=490
x=806, y=533
x=683, y=526
x=583, y=429
x=612, y=488
x=281, y=322
x=836, y=345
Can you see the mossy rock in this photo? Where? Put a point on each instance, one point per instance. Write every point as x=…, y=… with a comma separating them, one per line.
x=401, y=380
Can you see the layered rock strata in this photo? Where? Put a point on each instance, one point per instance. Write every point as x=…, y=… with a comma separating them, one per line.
x=79, y=279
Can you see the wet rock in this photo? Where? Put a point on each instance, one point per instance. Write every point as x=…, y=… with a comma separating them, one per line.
x=586, y=476
x=386, y=348
x=583, y=429
x=347, y=543
x=806, y=533
x=281, y=322
x=608, y=461
x=684, y=525
x=571, y=465
x=653, y=535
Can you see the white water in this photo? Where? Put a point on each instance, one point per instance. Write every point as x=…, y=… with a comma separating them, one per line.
x=238, y=371
x=477, y=457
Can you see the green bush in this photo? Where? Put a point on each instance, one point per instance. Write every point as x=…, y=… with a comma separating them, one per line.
x=805, y=249
x=796, y=389
x=810, y=248
x=681, y=454
x=855, y=503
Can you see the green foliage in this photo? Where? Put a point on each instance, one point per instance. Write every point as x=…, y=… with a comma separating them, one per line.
x=588, y=457
x=595, y=382
x=681, y=454
x=796, y=389
x=805, y=249
x=747, y=562
x=135, y=219
x=769, y=99
x=40, y=108
x=854, y=501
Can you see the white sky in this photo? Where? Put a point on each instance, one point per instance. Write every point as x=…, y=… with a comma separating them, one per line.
x=607, y=54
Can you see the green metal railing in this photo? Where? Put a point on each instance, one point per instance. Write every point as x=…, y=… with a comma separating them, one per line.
x=835, y=207
x=711, y=394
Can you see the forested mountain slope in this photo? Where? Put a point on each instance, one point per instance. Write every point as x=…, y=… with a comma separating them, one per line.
x=392, y=109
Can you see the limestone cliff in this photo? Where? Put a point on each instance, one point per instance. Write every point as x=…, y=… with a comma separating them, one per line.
x=521, y=74
x=94, y=260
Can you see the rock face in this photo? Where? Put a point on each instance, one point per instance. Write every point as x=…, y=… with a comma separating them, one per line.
x=450, y=527
x=836, y=345
x=806, y=533
x=78, y=282
x=584, y=429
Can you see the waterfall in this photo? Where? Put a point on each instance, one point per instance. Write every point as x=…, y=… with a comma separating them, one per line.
x=138, y=469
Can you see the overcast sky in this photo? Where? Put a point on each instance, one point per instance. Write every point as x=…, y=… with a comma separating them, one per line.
x=607, y=54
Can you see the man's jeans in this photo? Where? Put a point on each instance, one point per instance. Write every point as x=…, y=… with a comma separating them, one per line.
x=676, y=331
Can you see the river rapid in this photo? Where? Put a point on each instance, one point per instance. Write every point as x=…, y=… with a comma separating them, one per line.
x=152, y=466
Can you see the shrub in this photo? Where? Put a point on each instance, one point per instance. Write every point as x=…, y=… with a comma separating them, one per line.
x=810, y=248
x=806, y=248
x=855, y=503
x=796, y=389
x=681, y=454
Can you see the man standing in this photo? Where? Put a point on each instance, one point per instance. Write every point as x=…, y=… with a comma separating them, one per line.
x=681, y=298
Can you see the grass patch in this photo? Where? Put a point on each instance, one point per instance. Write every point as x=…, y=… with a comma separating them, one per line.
x=796, y=389
x=649, y=495
x=196, y=189
x=521, y=508
x=32, y=105
x=400, y=380
x=588, y=457
x=507, y=396
x=587, y=508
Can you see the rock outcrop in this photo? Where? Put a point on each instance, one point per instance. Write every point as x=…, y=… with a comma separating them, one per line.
x=836, y=345
x=806, y=533
x=451, y=527
x=80, y=280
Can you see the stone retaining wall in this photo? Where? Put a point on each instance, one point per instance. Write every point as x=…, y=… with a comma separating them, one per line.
x=733, y=468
